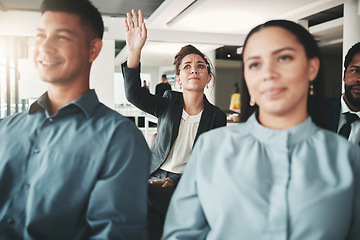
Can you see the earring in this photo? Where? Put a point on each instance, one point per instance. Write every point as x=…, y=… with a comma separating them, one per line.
x=252, y=102
x=180, y=87
x=207, y=86
x=311, y=89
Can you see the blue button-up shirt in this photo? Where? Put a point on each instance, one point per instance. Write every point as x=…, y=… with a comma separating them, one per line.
x=249, y=182
x=79, y=174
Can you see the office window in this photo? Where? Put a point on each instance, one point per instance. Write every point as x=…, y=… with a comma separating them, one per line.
x=9, y=97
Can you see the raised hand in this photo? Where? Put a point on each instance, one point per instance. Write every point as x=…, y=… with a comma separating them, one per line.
x=136, y=33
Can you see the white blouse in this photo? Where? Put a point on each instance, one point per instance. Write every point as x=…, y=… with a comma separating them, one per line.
x=180, y=151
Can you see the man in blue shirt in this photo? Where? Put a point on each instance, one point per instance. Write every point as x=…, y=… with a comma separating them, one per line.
x=70, y=167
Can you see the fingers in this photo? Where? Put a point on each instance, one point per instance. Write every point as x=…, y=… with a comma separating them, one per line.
x=165, y=182
x=157, y=181
x=143, y=30
x=141, y=18
x=168, y=183
x=130, y=20
x=135, y=18
x=126, y=25
x=162, y=183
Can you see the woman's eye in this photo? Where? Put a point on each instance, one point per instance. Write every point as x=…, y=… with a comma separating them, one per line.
x=285, y=58
x=355, y=70
x=253, y=65
x=200, y=66
x=186, y=66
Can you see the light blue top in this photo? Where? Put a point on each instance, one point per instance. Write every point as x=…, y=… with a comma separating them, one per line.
x=79, y=174
x=248, y=182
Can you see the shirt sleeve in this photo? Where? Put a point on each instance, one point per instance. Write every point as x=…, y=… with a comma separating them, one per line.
x=185, y=218
x=175, y=179
x=144, y=100
x=117, y=207
x=354, y=232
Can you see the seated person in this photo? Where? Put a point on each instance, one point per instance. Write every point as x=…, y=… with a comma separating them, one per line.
x=278, y=174
x=70, y=167
x=182, y=117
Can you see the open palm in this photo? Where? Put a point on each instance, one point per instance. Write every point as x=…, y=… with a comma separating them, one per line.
x=135, y=30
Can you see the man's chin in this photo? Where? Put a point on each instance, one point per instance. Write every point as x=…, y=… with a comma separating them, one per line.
x=353, y=99
x=355, y=93
x=51, y=80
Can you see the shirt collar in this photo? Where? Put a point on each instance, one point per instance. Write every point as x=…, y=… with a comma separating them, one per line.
x=86, y=103
x=40, y=104
x=345, y=108
x=195, y=118
x=281, y=138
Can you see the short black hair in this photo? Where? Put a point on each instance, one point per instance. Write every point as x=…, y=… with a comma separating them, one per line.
x=89, y=14
x=163, y=76
x=351, y=53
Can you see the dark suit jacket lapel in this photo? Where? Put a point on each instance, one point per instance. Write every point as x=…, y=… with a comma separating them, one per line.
x=205, y=119
x=178, y=109
x=334, y=106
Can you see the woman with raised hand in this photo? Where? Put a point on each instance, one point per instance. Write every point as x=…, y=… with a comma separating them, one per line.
x=279, y=174
x=182, y=117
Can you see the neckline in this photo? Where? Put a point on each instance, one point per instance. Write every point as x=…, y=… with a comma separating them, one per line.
x=281, y=138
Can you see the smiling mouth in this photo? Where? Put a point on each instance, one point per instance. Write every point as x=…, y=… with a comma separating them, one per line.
x=273, y=92
x=49, y=63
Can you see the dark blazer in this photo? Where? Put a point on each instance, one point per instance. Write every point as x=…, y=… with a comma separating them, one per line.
x=333, y=111
x=168, y=109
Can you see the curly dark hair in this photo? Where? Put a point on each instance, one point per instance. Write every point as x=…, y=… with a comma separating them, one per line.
x=186, y=50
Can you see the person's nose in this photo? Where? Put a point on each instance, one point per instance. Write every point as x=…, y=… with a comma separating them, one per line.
x=194, y=69
x=47, y=45
x=358, y=76
x=269, y=71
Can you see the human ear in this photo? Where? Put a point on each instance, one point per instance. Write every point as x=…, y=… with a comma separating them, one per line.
x=314, y=65
x=94, y=49
x=209, y=78
x=177, y=79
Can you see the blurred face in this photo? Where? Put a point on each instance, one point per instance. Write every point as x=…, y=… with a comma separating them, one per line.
x=193, y=74
x=277, y=73
x=352, y=83
x=61, y=49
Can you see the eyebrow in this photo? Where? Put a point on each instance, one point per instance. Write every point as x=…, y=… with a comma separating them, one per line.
x=354, y=66
x=273, y=53
x=196, y=62
x=59, y=30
